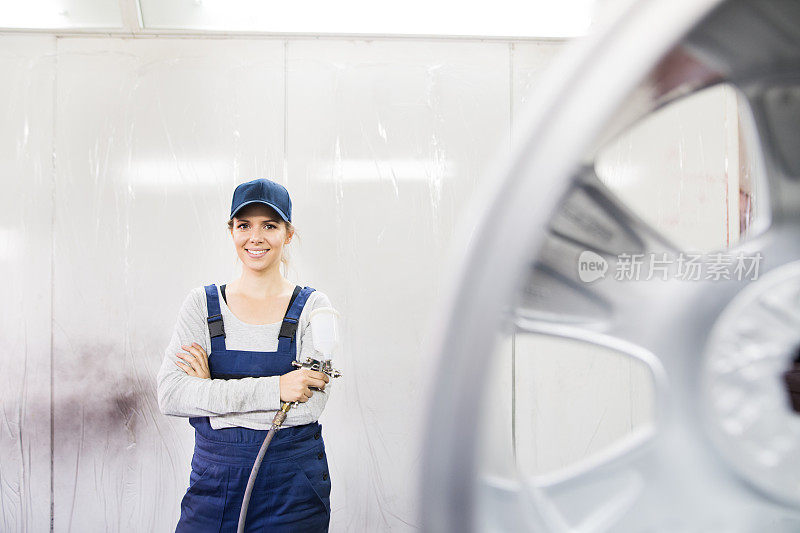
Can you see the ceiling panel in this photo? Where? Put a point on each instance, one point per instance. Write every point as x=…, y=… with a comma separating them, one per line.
x=501, y=18
x=58, y=14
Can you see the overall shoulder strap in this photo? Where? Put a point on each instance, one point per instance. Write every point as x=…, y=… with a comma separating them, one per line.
x=292, y=317
x=296, y=291
x=216, y=327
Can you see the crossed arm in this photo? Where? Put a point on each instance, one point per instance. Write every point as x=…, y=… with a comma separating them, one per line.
x=295, y=386
x=185, y=388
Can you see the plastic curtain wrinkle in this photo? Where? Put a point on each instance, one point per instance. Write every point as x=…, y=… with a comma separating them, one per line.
x=26, y=259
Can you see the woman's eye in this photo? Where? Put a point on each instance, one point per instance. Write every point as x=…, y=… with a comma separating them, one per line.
x=241, y=226
x=270, y=226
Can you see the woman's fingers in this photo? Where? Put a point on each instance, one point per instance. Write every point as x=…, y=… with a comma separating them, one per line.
x=199, y=359
x=318, y=383
x=195, y=350
x=313, y=378
x=201, y=355
x=190, y=360
x=186, y=368
x=317, y=375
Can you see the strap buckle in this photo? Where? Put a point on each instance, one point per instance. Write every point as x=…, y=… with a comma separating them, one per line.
x=288, y=328
x=215, y=326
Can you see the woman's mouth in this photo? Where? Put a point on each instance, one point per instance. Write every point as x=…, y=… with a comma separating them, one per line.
x=256, y=253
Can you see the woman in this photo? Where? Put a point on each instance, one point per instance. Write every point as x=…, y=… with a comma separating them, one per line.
x=229, y=366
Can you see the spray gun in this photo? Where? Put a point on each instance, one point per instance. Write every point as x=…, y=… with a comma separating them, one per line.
x=325, y=335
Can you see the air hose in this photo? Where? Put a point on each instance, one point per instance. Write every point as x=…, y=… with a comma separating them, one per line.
x=280, y=417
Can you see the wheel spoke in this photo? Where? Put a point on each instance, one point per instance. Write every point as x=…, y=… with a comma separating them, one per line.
x=648, y=484
x=594, y=222
x=592, y=495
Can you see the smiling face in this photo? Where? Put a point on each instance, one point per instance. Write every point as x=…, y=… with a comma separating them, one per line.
x=259, y=235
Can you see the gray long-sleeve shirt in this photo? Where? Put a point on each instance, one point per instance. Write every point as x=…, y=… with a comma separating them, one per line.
x=247, y=402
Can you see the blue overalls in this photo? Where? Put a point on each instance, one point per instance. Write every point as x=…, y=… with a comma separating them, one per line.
x=292, y=489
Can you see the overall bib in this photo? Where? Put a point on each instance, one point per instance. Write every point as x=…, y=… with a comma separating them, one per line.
x=292, y=489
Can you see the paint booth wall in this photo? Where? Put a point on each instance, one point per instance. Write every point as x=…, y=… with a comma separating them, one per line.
x=119, y=157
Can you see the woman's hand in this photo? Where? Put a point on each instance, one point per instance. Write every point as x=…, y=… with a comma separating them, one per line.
x=295, y=384
x=197, y=362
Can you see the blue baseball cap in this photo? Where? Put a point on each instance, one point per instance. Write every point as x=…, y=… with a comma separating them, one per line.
x=263, y=191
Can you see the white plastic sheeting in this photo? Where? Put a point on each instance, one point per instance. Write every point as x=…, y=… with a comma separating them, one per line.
x=119, y=159
x=26, y=258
